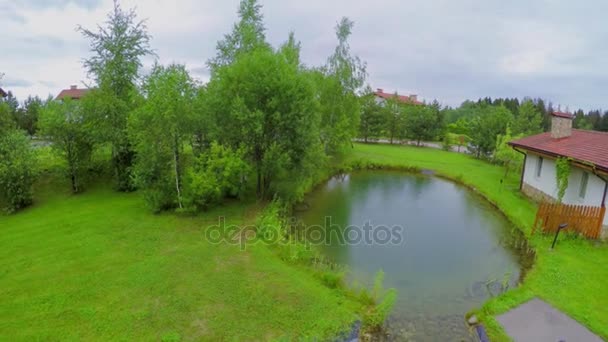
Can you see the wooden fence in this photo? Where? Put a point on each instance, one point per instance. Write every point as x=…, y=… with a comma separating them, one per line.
x=585, y=220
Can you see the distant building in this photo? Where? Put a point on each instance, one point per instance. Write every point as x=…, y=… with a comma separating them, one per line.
x=74, y=93
x=3, y=93
x=381, y=96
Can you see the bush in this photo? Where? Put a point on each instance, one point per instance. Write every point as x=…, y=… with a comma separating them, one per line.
x=447, y=142
x=156, y=180
x=218, y=173
x=18, y=170
x=375, y=316
x=271, y=225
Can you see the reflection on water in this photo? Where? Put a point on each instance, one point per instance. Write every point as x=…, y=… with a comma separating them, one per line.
x=457, y=251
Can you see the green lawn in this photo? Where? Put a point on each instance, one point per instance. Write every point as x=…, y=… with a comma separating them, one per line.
x=573, y=278
x=99, y=266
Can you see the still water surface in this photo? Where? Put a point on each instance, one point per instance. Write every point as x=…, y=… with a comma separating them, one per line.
x=457, y=249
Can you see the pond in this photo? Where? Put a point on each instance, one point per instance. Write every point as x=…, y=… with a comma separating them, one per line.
x=456, y=250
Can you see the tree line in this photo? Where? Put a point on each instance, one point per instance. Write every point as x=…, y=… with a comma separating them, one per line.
x=265, y=125
x=473, y=125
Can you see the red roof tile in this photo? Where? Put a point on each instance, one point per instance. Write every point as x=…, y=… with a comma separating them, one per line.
x=582, y=145
x=401, y=98
x=562, y=115
x=73, y=93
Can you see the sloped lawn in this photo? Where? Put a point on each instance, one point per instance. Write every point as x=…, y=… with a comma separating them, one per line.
x=99, y=266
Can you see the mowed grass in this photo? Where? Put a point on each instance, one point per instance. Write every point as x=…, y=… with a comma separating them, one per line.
x=99, y=266
x=573, y=277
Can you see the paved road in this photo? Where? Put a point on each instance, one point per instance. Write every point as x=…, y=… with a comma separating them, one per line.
x=540, y=322
x=462, y=149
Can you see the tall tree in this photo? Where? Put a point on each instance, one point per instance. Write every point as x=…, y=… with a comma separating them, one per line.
x=422, y=123
x=529, y=119
x=291, y=49
x=29, y=113
x=394, y=121
x=603, y=126
x=203, y=126
x=160, y=128
x=114, y=66
x=372, y=118
x=64, y=124
x=344, y=75
x=266, y=105
x=247, y=35
x=7, y=120
x=489, y=122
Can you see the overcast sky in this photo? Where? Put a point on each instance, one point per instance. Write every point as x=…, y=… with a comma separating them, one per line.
x=450, y=50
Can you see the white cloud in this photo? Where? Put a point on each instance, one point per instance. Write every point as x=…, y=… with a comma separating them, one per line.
x=445, y=49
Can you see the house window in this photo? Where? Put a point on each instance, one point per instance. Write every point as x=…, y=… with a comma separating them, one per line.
x=583, y=190
x=539, y=167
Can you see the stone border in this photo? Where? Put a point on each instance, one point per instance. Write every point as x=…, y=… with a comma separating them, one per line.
x=482, y=336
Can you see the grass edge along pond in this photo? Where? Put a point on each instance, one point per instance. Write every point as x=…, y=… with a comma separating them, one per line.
x=571, y=278
x=100, y=266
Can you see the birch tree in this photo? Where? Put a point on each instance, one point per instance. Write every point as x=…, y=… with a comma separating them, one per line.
x=159, y=130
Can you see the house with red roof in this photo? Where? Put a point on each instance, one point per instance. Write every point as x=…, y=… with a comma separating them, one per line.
x=74, y=93
x=587, y=152
x=381, y=97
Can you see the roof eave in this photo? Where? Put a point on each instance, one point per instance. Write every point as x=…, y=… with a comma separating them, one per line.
x=557, y=155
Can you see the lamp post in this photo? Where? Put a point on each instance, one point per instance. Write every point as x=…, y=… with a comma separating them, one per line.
x=561, y=226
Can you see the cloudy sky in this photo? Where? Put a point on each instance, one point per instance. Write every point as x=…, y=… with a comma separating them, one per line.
x=450, y=50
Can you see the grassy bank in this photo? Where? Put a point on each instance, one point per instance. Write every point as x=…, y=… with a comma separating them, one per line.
x=572, y=278
x=99, y=266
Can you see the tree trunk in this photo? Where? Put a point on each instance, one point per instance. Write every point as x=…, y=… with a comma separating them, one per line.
x=178, y=184
x=259, y=182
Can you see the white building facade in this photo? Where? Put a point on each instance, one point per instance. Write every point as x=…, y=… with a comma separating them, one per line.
x=588, y=155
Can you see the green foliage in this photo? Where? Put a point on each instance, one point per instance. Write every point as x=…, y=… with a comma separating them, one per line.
x=64, y=123
x=384, y=301
x=485, y=127
x=528, y=120
x=27, y=115
x=562, y=176
x=581, y=121
x=447, y=142
x=394, y=119
x=505, y=155
x=266, y=105
x=159, y=129
x=7, y=121
x=372, y=118
x=271, y=225
x=18, y=170
x=247, y=35
x=203, y=125
x=291, y=49
x=218, y=173
x=117, y=50
x=422, y=123
x=337, y=85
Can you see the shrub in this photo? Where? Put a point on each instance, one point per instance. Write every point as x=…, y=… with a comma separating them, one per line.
x=220, y=172
x=18, y=170
x=271, y=225
x=375, y=316
x=447, y=142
